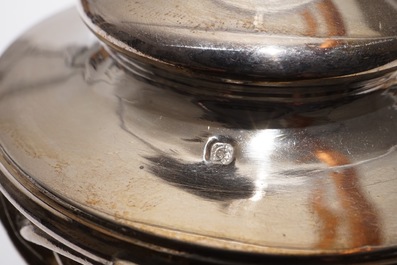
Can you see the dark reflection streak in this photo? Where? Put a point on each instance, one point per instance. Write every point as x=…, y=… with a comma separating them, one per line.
x=214, y=182
x=243, y=115
x=194, y=140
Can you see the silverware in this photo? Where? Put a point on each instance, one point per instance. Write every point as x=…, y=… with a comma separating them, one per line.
x=211, y=132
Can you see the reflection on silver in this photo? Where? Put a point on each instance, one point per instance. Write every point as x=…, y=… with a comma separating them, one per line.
x=322, y=38
x=266, y=6
x=261, y=148
x=116, y=151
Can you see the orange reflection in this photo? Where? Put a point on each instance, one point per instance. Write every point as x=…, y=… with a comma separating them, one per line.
x=362, y=223
x=361, y=217
x=330, y=222
x=310, y=22
x=333, y=21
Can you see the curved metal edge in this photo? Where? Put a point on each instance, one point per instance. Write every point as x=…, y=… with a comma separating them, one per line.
x=108, y=244
x=10, y=219
x=274, y=58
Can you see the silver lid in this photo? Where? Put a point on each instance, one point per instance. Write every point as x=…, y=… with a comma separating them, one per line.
x=257, y=39
x=115, y=148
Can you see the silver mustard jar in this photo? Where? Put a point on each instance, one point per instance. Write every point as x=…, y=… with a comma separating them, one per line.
x=203, y=132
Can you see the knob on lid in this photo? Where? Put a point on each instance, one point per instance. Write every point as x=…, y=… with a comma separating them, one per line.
x=263, y=39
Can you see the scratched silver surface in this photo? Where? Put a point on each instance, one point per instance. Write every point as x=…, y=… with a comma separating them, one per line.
x=250, y=41
x=111, y=139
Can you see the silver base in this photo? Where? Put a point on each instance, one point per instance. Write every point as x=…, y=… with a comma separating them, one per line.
x=115, y=163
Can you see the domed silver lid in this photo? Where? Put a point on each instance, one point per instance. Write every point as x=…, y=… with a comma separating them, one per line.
x=256, y=39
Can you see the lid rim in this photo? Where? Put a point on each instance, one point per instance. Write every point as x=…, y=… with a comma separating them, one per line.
x=225, y=53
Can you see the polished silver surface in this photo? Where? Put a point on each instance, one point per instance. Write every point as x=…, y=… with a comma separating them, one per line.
x=121, y=150
x=251, y=41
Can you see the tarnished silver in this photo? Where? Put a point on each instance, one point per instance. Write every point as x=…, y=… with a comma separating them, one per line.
x=251, y=41
x=216, y=132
